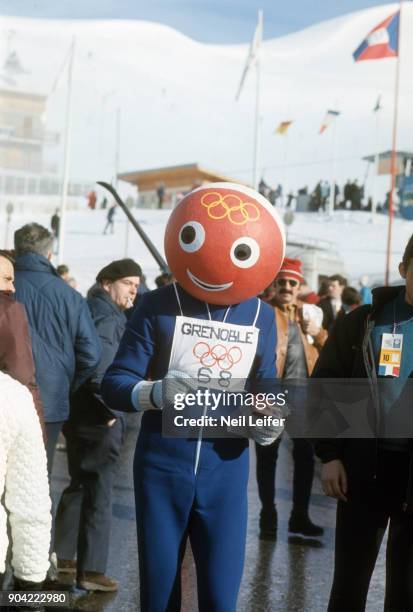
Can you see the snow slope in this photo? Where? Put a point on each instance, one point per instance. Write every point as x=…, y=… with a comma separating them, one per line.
x=177, y=95
x=360, y=243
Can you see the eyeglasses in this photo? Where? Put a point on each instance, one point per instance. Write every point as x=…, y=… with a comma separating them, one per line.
x=282, y=282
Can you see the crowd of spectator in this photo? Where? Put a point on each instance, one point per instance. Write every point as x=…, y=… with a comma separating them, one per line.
x=55, y=348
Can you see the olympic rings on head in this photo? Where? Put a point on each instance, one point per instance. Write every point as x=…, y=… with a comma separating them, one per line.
x=229, y=206
x=217, y=355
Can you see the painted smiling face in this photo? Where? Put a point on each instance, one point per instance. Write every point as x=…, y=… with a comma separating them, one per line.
x=224, y=243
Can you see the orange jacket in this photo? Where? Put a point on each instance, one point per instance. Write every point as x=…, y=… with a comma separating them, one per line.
x=311, y=350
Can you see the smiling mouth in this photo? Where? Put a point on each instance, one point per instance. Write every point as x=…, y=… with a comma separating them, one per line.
x=207, y=286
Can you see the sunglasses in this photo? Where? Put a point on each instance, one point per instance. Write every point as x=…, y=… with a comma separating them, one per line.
x=282, y=282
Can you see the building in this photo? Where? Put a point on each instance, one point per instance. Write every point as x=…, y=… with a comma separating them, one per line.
x=23, y=139
x=27, y=174
x=382, y=161
x=163, y=187
x=320, y=258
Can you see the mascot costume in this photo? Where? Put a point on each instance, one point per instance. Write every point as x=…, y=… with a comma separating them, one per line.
x=224, y=244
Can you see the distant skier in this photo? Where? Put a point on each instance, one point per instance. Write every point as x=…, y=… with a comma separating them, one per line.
x=110, y=224
x=55, y=224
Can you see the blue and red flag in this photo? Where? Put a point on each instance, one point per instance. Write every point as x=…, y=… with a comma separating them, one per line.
x=381, y=42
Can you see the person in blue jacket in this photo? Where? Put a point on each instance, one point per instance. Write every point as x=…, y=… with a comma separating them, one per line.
x=94, y=436
x=66, y=347
x=224, y=244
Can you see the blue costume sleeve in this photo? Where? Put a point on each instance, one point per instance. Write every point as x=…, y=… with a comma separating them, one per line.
x=264, y=372
x=132, y=361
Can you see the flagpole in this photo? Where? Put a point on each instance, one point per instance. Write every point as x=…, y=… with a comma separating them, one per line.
x=393, y=165
x=257, y=130
x=285, y=177
x=333, y=170
x=376, y=169
x=67, y=144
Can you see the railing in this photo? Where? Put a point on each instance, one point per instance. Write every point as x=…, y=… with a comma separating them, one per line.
x=311, y=243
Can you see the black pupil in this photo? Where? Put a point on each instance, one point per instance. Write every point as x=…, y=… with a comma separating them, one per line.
x=188, y=234
x=242, y=252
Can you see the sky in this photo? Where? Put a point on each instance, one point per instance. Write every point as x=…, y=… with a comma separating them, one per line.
x=214, y=21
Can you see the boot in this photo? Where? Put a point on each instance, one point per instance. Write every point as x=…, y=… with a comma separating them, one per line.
x=96, y=581
x=301, y=523
x=268, y=523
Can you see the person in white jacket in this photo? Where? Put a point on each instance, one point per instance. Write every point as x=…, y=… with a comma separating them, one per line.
x=24, y=484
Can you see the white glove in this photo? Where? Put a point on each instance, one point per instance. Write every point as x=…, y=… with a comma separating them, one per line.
x=262, y=434
x=147, y=395
x=266, y=434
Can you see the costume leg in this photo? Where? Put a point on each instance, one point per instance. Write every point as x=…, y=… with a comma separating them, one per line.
x=164, y=494
x=217, y=533
x=359, y=532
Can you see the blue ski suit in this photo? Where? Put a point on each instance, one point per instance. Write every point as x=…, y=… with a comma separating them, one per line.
x=182, y=490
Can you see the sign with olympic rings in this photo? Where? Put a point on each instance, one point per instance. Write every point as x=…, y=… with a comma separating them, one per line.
x=219, y=355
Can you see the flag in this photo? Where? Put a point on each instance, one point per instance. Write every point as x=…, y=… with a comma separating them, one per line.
x=283, y=127
x=328, y=119
x=381, y=42
x=252, y=53
x=378, y=105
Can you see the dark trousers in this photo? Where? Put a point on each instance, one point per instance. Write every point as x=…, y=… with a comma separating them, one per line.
x=52, y=432
x=303, y=457
x=361, y=524
x=84, y=513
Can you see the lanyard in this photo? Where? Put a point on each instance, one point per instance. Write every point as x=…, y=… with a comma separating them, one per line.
x=395, y=325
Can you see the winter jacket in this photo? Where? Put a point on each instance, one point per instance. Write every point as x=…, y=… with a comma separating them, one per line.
x=110, y=321
x=348, y=353
x=311, y=351
x=24, y=483
x=65, y=345
x=16, y=356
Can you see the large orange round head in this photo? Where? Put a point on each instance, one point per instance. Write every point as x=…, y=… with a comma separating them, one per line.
x=224, y=243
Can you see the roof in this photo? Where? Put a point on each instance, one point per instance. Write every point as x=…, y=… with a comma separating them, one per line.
x=387, y=155
x=16, y=93
x=184, y=175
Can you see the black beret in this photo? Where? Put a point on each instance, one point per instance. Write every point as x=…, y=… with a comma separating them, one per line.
x=119, y=269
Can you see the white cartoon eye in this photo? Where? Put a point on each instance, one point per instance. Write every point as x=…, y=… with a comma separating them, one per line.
x=245, y=252
x=191, y=236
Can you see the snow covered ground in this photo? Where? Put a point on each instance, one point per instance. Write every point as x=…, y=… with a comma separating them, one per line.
x=360, y=243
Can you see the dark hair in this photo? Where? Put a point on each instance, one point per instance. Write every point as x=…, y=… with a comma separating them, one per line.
x=340, y=279
x=322, y=290
x=62, y=269
x=163, y=279
x=350, y=296
x=33, y=238
x=408, y=253
x=7, y=255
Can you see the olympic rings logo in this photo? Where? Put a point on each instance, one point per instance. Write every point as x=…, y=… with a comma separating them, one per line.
x=217, y=355
x=230, y=206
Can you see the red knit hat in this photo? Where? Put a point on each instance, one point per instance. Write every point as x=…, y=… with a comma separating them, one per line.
x=291, y=268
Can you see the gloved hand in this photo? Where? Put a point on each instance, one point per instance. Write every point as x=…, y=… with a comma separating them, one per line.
x=177, y=383
x=262, y=434
x=266, y=434
x=159, y=394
